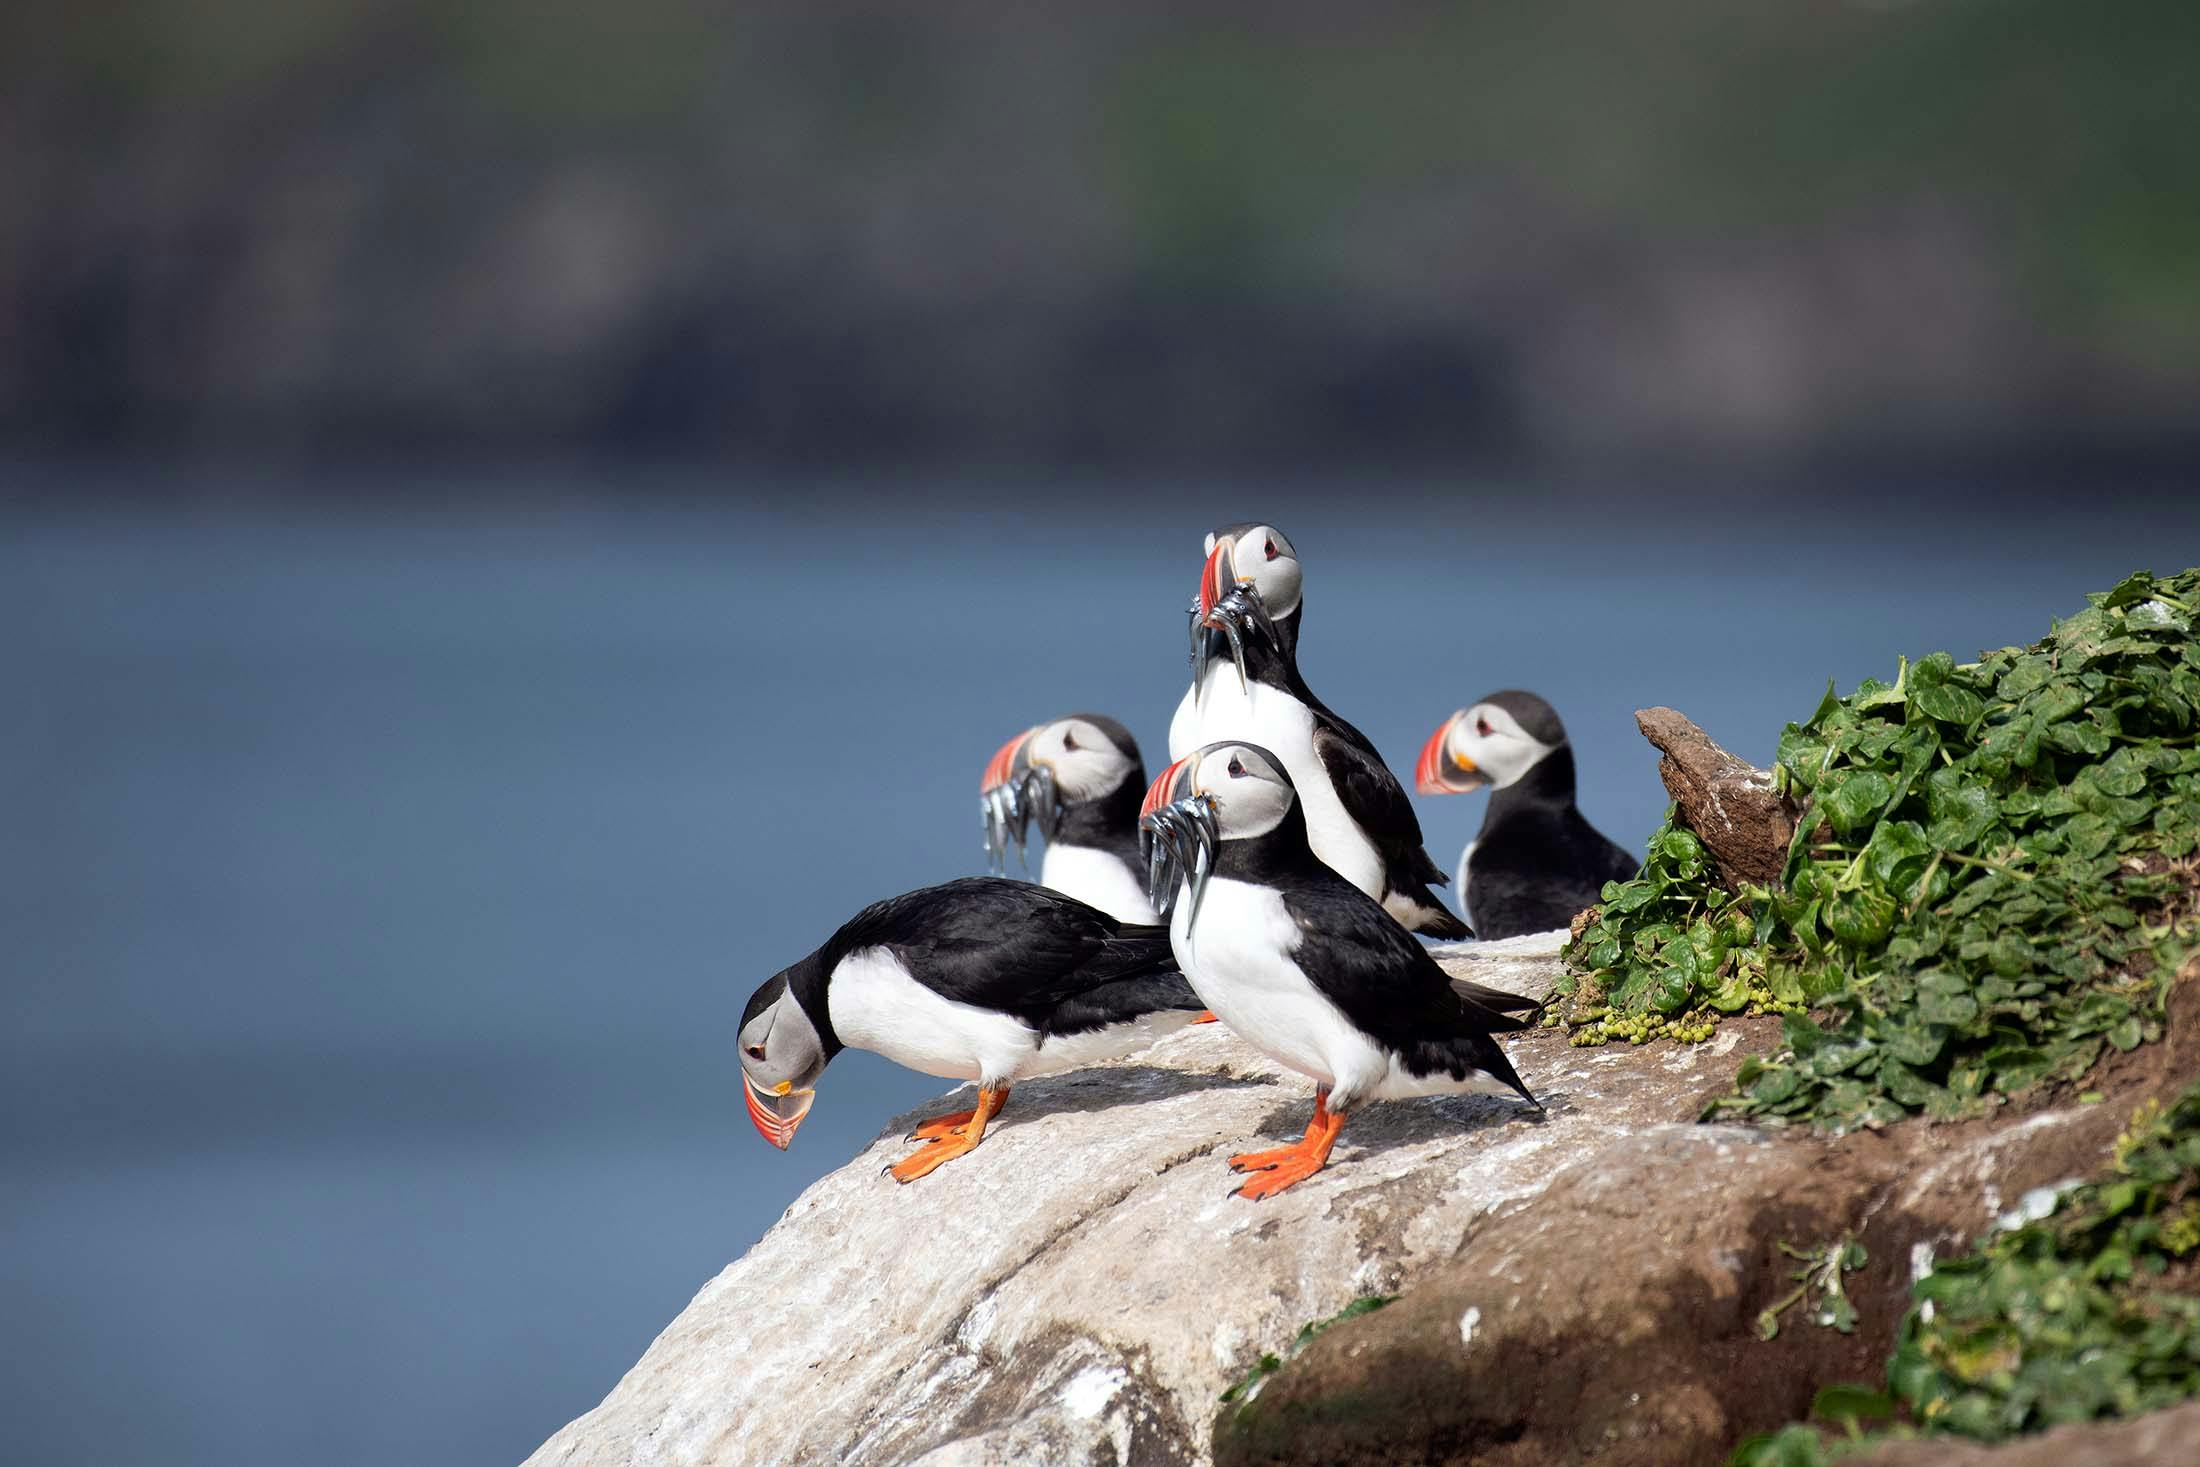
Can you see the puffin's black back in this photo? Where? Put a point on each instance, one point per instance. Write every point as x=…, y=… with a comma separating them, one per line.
x=1021, y=949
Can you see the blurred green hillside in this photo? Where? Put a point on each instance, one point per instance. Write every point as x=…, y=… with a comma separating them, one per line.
x=1139, y=234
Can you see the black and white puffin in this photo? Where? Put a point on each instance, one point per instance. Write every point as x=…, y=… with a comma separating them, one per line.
x=1246, y=685
x=1537, y=861
x=981, y=979
x=1302, y=964
x=1079, y=779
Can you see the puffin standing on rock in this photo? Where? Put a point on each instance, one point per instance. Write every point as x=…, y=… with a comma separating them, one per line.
x=1537, y=860
x=1079, y=779
x=981, y=979
x=1246, y=685
x=1303, y=965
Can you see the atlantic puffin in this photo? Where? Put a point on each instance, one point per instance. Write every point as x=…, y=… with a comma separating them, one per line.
x=1305, y=966
x=1537, y=861
x=1079, y=779
x=981, y=979
x=1246, y=685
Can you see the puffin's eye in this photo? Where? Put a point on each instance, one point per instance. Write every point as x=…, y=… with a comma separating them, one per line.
x=1482, y=727
x=1271, y=547
x=1237, y=767
x=756, y=1051
x=1069, y=741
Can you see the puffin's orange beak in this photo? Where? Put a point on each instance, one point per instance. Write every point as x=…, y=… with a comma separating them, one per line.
x=776, y=1116
x=1439, y=771
x=1002, y=765
x=1162, y=792
x=1218, y=576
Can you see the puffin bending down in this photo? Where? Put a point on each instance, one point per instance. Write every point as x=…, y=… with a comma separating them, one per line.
x=1357, y=815
x=981, y=979
x=1303, y=965
x=1537, y=861
x=1079, y=779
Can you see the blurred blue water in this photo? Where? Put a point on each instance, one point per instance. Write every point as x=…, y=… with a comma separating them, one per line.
x=378, y=891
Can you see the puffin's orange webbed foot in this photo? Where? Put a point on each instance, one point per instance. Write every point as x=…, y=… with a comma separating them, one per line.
x=1287, y=1166
x=937, y=1151
x=939, y=1126
x=1283, y=1174
x=947, y=1125
x=1260, y=1161
x=1206, y=1016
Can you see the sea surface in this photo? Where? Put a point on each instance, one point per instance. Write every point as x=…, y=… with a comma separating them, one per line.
x=380, y=887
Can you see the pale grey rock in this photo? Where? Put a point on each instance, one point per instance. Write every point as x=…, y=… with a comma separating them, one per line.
x=1083, y=1287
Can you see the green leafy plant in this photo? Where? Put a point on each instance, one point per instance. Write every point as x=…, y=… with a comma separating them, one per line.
x=1990, y=883
x=1269, y=1363
x=1668, y=952
x=1819, y=1288
x=2083, y=1311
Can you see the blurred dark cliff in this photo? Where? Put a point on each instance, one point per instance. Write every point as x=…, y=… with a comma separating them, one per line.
x=1139, y=234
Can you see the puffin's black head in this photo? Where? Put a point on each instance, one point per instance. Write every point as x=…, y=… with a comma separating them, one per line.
x=782, y=1055
x=1226, y=791
x=1251, y=581
x=1494, y=743
x=1045, y=770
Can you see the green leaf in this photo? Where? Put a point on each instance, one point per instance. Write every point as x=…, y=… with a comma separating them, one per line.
x=1851, y=797
x=1949, y=704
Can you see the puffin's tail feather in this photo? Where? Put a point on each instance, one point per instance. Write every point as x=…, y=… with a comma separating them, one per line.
x=1419, y=910
x=1497, y=999
x=1463, y=1053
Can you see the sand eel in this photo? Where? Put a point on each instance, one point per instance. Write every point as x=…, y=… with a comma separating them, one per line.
x=1079, y=779
x=1303, y=965
x=1536, y=861
x=981, y=979
x=1246, y=685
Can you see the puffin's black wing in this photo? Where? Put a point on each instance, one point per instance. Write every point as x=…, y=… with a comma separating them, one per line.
x=1377, y=803
x=1012, y=947
x=1373, y=797
x=1388, y=986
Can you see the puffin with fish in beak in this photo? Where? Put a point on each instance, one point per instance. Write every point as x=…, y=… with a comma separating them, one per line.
x=981, y=979
x=1246, y=685
x=1303, y=965
x=1079, y=779
x=1537, y=860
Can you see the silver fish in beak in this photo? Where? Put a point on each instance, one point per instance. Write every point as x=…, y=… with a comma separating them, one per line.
x=1177, y=827
x=1228, y=607
x=1014, y=794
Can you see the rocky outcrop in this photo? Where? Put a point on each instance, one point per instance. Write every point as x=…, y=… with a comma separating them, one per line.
x=1730, y=803
x=1084, y=1288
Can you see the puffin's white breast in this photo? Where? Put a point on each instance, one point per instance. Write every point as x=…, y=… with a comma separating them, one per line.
x=1101, y=1046
x=1098, y=880
x=875, y=1004
x=1238, y=955
x=1281, y=724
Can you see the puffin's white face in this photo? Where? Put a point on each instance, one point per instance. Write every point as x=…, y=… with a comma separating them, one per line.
x=1482, y=745
x=1258, y=556
x=1222, y=792
x=1243, y=785
x=1086, y=761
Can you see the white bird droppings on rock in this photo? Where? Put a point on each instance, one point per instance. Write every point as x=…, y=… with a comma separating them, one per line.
x=1090, y=1390
x=1467, y=1323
